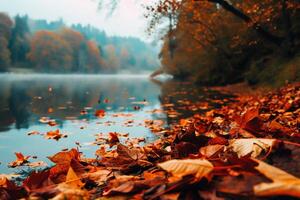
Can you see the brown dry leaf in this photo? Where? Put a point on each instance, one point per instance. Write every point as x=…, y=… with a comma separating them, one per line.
x=71, y=188
x=198, y=167
x=39, y=181
x=251, y=146
x=133, y=186
x=5, y=183
x=283, y=183
x=21, y=160
x=211, y=150
x=113, y=139
x=56, y=135
x=64, y=158
x=100, y=176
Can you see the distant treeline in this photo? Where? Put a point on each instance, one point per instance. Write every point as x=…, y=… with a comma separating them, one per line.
x=53, y=47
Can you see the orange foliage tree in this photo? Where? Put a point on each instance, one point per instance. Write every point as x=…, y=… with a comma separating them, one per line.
x=5, y=31
x=50, y=51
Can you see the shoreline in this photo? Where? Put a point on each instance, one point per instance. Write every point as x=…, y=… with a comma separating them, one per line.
x=202, y=153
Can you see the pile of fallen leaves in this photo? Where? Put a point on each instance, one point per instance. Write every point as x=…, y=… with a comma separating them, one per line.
x=248, y=149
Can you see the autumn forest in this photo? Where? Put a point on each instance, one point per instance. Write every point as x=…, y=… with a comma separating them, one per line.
x=150, y=100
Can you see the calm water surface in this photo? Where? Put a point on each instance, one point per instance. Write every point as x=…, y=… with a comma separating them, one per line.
x=25, y=99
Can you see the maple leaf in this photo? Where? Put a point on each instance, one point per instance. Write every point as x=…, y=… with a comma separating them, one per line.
x=283, y=182
x=198, y=167
x=65, y=157
x=251, y=146
x=21, y=160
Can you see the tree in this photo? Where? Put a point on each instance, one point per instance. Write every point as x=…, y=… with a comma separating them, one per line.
x=4, y=55
x=94, y=61
x=75, y=40
x=19, y=41
x=50, y=51
x=5, y=33
x=113, y=63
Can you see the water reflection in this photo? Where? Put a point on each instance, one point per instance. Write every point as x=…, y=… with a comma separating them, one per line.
x=183, y=99
x=25, y=99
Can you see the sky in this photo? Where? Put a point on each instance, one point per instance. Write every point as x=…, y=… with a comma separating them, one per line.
x=127, y=19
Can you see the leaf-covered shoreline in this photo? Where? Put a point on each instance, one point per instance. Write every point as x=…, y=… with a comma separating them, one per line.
x=247, y=149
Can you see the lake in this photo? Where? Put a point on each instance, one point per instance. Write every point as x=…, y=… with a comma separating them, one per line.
x=29, y=102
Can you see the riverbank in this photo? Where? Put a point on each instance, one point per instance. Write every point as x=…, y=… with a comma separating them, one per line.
x=246, y=149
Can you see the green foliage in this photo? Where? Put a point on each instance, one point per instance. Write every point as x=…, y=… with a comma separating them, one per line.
x=19, y=41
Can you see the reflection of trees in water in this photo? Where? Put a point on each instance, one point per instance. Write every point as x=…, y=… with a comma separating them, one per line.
x=187, y=99
x=19, y=103
x=27, y=101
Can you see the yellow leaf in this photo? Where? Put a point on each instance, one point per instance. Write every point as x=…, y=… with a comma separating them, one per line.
x=252, y=146
x=283, y=182
x=73, y=180
x=198, y=167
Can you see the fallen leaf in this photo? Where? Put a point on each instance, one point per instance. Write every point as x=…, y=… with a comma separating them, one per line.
x=21, y=160
x=100, y=113
x=73, y=180
x=198, y=167
x=100, y=176
x=56, y=135
x=63, y=158
x=37, y=180
x=113, y=139
x=283, y=183
x=211, y=150
x=251, y=146
x=37, y=164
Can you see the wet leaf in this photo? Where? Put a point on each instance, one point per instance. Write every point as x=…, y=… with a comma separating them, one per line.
x=100, y=113
x=21, y=160
x=56, y=135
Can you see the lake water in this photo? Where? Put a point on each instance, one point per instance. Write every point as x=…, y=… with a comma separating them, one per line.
x=71, y=100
